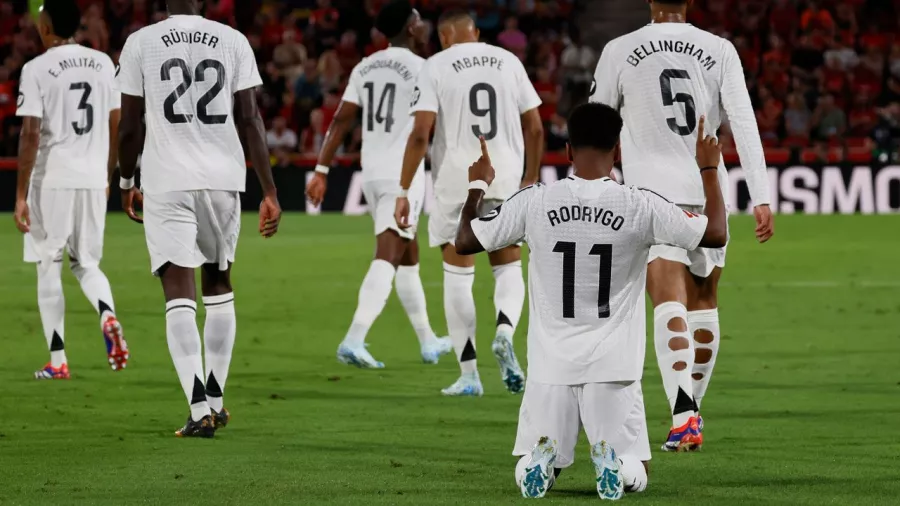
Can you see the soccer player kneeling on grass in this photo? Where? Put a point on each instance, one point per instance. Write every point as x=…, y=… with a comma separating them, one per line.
x=589, y=238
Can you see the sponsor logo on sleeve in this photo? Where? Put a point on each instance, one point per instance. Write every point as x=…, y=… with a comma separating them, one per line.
x=593, y=87
x=20, y=100
x=415, y=97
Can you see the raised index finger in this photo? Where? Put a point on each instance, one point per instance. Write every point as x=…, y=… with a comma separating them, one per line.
x=484, y=148
x=700, y=129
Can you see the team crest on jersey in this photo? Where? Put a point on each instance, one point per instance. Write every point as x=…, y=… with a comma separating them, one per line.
x=118, y=68
x=415, y=97
x=593, y=87
x=20, y=100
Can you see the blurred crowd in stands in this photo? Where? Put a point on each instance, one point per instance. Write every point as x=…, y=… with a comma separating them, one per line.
x=824, y=75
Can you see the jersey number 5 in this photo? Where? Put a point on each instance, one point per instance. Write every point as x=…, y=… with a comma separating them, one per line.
x=604, y=251
x=690, y=112
x=83, y=105
x=199, y=75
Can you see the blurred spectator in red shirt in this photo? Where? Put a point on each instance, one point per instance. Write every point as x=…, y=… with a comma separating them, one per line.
x=847, y=28
x=377, y=43
x=769, y=120
x=833, y=78
x=329, y=107
x=347, y=51
x=777, y=52
x=8, y=22
x=8, y=95
x=749, y=56
x=324, y=14
x=775, y=77
x=513, y=39
x=872, y=37
x=862, y=118
x=783, y=18
x=815, y=17
x=221, y=11
x=313, y=135
x=549, y=93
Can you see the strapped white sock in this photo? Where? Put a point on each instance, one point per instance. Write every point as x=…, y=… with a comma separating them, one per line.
x=634, y=475
x=218, y=341
x=459, y=307
x=412, y=295
x=96, y=288
x=704, y=325
x=52, y=306
x=184, y=346
x=373, y=295
x=509, y=297
x=675, y=354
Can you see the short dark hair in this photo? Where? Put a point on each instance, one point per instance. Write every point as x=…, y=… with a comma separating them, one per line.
x=594, y=126
x=452, y=15
x=64, y=15
x=393, y=18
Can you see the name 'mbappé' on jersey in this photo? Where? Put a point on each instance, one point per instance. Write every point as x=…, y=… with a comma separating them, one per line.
x=662, y=78
x=382, y=85
x=476, y=90
x=588, y=244
x=72, y=89
x=188, y=69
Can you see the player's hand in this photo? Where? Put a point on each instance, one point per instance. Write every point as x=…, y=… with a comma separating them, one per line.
x=482, y=170
x=269, y=216
x=765, y=223
x=22, y=217
x=709, y=153
x=401, y=212
x=130, y=198
x=316, y=188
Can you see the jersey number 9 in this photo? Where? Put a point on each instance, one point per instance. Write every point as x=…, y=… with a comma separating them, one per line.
x=490, y=110
x=199, y=75
x=690, y=112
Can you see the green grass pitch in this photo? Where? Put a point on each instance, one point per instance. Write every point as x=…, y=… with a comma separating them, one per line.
x=804, y=407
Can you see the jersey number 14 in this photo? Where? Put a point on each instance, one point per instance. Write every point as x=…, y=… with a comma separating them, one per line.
x=568, y=250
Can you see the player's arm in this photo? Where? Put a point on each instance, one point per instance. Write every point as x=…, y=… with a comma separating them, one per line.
x=131, y=140
x=250, y=122
x=115, y=117
x=532, y=126
x=29, y=139
x=343, y=121
x=708, y=155
x=736, y=102
x=501, y=227
x=424, y=109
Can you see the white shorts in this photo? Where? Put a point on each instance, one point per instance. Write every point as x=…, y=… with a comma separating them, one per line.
x=381, y=197
x=443, y=223
x=700, y=261
x=66, y=219
x=192, y=228
x=613, y=412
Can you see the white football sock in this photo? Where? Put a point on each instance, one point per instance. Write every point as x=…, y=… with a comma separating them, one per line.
x=459, y=307
x=218, y=341
x=412, y=295
x=704, y=327
x=634, y=475
x=96, y=288
x=52, y=306
x=509, y=296
x=184, y=346
x=675, y=365
x=373, y=295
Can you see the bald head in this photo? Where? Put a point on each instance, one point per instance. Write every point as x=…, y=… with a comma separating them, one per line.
x=455, y=27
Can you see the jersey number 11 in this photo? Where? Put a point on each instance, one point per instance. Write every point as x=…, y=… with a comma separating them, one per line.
x=604, y=251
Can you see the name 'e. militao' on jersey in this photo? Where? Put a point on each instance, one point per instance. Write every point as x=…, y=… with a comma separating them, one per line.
x=476, y=90
x=588, y=245
x=662, y=78
x=187, y=69
x=72, y=89
x=382, y=85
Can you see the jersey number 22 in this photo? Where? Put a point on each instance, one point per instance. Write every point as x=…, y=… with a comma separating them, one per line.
x=199, y=75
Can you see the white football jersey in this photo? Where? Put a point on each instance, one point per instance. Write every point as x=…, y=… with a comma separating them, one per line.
x=662, y=78
x=188, y=69
x=72, y=89
x=382, y=85
x=475, y=89
x=588, y=244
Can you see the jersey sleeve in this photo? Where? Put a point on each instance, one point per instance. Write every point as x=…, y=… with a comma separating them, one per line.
x=29, y=102
x=505, y=225
x=115, y=97
x=246, y=75
x=605, y=88
x=130, y=76
x=736, y=103
x=669, y=224
x=425, y=96
x=528, y=96
x=351, y=93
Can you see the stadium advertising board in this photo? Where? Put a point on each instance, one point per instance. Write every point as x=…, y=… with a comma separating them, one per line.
x=807, y=189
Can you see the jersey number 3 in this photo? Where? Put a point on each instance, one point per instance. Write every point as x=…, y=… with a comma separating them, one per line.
x=604, y=251
x=690, y=112
x=83, y=105
x=199, y=75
